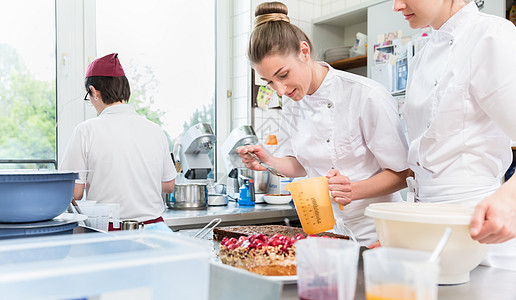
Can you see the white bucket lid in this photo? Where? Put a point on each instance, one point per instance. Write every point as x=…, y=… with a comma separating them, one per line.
x=434, y=213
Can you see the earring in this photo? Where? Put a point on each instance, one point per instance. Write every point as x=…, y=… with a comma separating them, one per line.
x=96, y=98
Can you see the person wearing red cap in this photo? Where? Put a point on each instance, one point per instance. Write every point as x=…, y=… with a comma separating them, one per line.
x=121, y=156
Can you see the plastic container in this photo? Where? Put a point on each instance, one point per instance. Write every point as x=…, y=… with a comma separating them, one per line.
x=247, y=195
x=392, y=273
x=122, y=265
x=312, y=199
x=31, y=196
x=326, y=268
x=360, y=45
x=420, y=226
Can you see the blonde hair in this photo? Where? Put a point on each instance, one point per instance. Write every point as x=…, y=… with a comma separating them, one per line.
x=273, y=33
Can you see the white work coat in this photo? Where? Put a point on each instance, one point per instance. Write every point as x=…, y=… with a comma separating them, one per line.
x=460, y=109
x=350, y=124
x=127, y=158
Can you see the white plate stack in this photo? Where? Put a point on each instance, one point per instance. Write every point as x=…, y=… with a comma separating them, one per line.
x=335, y=54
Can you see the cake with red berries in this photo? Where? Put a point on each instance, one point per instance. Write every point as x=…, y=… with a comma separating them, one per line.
x=266, y=250
x=275, y=256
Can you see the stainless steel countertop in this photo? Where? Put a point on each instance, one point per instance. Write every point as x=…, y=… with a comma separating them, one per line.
x=486, y=283
x=231, y=214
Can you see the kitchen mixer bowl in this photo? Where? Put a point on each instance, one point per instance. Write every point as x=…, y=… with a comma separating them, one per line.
x=419, y=226
x=189, y=196
x=32, y=196
x=260, y=180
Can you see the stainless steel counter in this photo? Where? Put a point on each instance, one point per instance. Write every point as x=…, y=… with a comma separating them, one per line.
x=231, y=214
x=486, y=283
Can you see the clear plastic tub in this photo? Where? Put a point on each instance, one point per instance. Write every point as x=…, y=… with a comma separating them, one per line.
x=122, y=265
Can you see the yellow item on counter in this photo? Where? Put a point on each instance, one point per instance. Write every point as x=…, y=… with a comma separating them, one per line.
x=512, y=13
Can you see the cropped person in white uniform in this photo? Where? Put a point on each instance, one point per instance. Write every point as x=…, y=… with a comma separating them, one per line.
x=121, y=156
x=460, y=115
x=333, y=123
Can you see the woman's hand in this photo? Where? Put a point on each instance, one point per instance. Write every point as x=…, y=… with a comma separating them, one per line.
x=374, y=245
x=494, y=219
x=340, y=187
x=250, y=162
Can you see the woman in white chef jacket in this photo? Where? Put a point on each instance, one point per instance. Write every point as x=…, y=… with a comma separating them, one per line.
x=460, y=114
x=333, y=122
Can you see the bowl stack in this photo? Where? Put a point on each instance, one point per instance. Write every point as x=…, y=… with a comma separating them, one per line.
x=335, y=54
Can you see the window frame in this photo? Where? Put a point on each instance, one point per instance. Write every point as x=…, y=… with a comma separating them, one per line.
x=76, y=48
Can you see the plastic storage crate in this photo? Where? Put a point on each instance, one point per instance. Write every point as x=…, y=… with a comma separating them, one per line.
x=124, y=265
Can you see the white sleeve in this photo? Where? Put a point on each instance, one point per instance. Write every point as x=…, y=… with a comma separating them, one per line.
x=74, y=158
x=493, y=76
x=169, y=170
x=382, y=130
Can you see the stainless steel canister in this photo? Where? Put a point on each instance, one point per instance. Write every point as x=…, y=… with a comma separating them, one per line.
x=189, y=196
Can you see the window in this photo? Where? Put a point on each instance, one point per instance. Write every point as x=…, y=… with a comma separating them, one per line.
x=27, y=84
x=167, y=49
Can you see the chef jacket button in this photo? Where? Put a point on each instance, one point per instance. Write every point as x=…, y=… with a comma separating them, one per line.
x=435, y=83
x=328, y=140
x=329, y=105
x=451, y=42
x=418, y=164
x=428, y=125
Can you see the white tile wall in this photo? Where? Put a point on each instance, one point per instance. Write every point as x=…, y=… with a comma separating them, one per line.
x=240, y=66
x=240, y=107
x=240, y=87
x=240, y=42
x=293, y=9
x=331, y=6
x=242, y=23
x=241, y=6
x=301, y=13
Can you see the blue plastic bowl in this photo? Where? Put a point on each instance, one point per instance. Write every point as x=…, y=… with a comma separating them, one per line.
x=34, y=196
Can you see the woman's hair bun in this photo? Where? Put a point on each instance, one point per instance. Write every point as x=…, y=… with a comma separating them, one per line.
x=270, y=12
x=270, y=8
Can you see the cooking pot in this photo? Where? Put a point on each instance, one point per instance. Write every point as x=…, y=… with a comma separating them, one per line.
x=188, y=196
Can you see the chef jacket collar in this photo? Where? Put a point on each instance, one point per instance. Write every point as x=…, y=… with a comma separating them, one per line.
x=455, y=23
x=118, y=109
x=324, y=91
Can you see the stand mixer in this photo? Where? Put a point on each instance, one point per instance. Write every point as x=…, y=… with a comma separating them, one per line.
x=193, y=154
x=242, y=136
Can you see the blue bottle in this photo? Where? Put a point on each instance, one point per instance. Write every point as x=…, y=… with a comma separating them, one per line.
x=247, y=193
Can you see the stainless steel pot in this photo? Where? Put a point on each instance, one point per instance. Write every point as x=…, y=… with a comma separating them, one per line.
x=260, y=179
x=188, y=196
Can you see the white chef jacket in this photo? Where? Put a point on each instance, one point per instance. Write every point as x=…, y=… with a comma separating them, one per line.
x=127, y=158
x=351, y=124
x=460, y=109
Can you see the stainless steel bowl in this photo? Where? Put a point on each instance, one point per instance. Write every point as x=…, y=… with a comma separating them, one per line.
x=260, y=179
x=188, y=196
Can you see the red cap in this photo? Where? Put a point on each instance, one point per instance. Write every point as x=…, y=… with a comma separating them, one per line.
x=108, y=65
